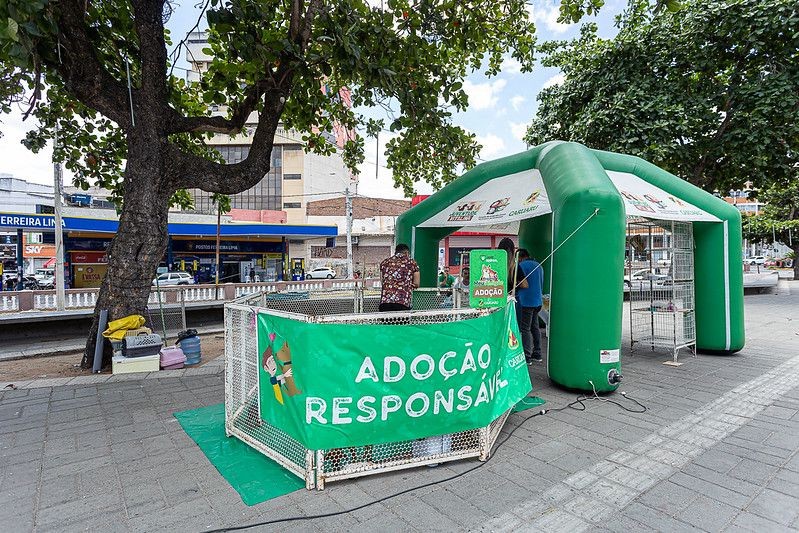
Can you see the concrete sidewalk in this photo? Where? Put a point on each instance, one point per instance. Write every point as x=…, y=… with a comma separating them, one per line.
x=715, y=451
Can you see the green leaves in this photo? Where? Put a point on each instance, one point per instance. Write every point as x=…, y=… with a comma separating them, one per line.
x=707, y=91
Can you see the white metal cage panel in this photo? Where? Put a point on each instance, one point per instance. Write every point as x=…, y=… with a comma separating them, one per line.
x=682, y=236
x=343, y=463
x=435, y=316
x=682, y=265
x=242, y=409
x=166, y=320
x=660, y=279
x=242, y=412
x=423, y=299
x=314, y=303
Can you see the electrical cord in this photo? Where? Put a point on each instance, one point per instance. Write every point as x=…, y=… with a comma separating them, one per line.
x=578, y=404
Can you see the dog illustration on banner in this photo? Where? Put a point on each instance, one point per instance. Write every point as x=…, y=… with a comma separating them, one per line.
x=488, y=274
x=278, y=365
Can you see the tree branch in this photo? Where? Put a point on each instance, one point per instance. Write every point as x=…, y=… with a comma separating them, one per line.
x=179, y=123
x=196, y=171
x=149, y=22
x=314, y=8
x=81, y=70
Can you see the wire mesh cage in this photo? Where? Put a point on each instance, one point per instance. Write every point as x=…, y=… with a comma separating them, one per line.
x=316, y=467
x=166, y=320
x=660, y=279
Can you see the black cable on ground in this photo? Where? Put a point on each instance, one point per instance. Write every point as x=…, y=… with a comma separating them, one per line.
x=578, y=404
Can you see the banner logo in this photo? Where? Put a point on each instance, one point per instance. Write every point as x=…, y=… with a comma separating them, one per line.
x=532, y=198
x=465, y=211
x=498, y=205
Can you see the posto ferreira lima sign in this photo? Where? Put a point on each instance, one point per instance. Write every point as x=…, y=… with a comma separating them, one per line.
x=328, y=386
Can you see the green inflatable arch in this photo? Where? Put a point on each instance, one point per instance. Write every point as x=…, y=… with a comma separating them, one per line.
x=586, y=226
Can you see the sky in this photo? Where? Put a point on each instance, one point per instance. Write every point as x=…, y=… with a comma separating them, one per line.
x=500, y=108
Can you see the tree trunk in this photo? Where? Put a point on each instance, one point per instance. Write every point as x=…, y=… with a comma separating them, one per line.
x=139, y=245
x=796, y=259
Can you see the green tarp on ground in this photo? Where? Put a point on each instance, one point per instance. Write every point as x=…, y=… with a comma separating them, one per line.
x=528, y=402
x=255, y=477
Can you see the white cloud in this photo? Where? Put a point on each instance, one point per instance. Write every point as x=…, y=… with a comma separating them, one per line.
x=483, y=95
x=493, y=146
x=510, y=65
x=381, y=186
x=17, y=160
x=546, y=13
x=518, y=129
x=517, y=102
x=557, y=79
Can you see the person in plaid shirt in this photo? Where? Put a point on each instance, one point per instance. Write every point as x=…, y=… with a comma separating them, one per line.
x=399, y=275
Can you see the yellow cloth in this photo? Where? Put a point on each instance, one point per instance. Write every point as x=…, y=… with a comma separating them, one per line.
x=117, y=328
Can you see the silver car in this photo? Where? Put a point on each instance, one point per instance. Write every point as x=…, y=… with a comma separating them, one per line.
x=174, y=278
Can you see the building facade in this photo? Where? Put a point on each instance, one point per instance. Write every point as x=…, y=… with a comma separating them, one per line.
x=373, y=221
x=294, y=176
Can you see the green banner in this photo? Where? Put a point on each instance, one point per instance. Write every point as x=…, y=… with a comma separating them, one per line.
x=488, y=278
x=339, y=385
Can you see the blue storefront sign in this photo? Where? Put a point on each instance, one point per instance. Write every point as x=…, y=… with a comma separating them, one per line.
x=28, y=221
x=227, y=247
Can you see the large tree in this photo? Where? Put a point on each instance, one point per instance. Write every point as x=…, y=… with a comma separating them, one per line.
x=100, y=70
x=709, y=91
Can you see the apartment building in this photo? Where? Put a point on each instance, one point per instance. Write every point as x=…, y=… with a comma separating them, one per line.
x=294, y=177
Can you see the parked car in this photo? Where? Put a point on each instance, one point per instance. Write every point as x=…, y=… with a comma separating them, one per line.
x=44, y=273
x=756, y=260
x=46, y=282
x=639, y=279
x=174, y=278
x=784, y=262
x=320, y=273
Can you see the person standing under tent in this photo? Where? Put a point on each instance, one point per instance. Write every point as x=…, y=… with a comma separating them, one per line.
x=517, y=279
x=399, y=275
x=528, y=306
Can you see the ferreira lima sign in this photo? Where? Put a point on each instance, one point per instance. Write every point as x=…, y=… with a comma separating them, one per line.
x=339, y=385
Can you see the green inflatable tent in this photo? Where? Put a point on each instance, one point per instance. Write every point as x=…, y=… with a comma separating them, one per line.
x=567, y=198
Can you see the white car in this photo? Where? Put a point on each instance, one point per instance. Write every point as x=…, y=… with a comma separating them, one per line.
x=174, y=278
x=640, y=279
x=756, y=260
x=320, y=273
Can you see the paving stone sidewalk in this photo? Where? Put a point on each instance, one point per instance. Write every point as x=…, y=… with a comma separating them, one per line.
x=715, y=451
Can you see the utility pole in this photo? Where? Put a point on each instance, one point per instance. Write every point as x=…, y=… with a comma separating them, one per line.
x=218, y=228
x=59, y=234
x=348, y=207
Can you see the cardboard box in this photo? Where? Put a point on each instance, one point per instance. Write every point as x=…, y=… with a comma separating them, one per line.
x=128, y=365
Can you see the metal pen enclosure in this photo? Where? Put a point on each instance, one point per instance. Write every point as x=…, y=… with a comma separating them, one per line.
x=356, y=305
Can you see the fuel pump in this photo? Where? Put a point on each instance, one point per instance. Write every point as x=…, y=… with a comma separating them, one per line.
x=297, y=269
